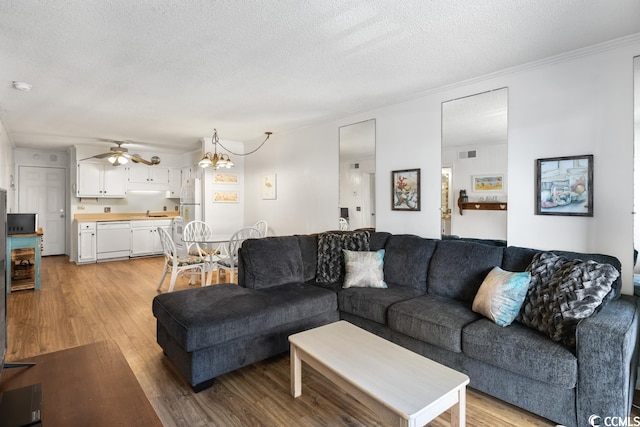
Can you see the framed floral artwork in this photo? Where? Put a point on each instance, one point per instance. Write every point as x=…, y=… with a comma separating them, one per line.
x=405, y=190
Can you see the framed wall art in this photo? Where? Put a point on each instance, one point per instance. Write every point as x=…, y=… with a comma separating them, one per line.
x=482, y=183
x=564, y=186
x=269, y=187
x=225, y=178
x=405, y=190
x=226, y=197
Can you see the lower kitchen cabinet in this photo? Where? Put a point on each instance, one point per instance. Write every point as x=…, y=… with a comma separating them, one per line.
x=86, y=242
x=145, y=239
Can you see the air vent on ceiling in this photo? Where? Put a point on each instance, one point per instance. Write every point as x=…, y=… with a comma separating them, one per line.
x=471, y=154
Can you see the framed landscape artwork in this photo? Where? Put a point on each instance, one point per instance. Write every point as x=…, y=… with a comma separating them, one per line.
x=481, y=183
x=405, y=190
x=225, y=178
x=564, y=186
x=225, y=197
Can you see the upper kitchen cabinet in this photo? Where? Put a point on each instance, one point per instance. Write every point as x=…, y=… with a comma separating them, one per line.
x=175, y=183
x=100, y=180
x=143, y=177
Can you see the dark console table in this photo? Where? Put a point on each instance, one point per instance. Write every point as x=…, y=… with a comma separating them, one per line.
x=90, y=385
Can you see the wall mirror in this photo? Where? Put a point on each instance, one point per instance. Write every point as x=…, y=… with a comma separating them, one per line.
x=636, y=159
x=474, y=165
x=357, y=175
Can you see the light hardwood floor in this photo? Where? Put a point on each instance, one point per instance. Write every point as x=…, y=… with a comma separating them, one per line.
x=112, y=301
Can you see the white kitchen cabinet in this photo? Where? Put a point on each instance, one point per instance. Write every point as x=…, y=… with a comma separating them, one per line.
x=145, y=239
x=86, y=242
x=175, y=183
x=148, y=175
x=101, y=180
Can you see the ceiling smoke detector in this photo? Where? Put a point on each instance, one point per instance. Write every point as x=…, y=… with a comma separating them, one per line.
x=25, y=87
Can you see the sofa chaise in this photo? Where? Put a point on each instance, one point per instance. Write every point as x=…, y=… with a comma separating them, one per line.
x=291, y=283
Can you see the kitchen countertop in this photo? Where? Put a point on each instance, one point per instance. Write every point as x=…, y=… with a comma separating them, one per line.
x=124, y=216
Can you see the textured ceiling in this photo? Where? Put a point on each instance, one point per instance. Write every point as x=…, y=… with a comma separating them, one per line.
x=167, y=72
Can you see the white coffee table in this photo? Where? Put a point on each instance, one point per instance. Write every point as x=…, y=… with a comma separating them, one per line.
x=401, y=386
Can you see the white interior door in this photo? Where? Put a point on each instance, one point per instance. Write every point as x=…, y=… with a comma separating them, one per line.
x=42, y=190
x=368, y=200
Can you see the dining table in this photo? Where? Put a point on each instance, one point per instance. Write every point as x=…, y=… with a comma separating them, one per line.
x=208, y=243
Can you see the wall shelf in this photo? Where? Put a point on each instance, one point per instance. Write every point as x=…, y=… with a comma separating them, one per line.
x=482, y=206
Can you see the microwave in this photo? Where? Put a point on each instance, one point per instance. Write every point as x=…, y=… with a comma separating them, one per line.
x=22, y=223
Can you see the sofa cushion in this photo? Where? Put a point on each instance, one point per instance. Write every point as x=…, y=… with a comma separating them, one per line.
x=501, y=295
x=189, y=318
x=564, y=292
x=330, y=267
x=378, y=239
x=433, y=319
x=373, y=303
x=521, y=350
x=406, y=261
x=271, y=261
x=458, y=268
x=364, y=269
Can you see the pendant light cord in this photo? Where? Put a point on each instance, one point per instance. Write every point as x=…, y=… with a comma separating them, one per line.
x=216, y=141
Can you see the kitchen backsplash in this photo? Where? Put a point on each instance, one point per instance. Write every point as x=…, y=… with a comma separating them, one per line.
x=134, y=202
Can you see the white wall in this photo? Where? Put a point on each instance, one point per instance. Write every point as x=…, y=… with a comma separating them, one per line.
x=6, y=167
x=224, y=218
x=306, y=166
x=580, y=103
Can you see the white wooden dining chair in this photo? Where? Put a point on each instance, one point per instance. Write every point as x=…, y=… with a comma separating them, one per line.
x=195, y=235
x=178, y=265
x=262, y=227
x=228, y=260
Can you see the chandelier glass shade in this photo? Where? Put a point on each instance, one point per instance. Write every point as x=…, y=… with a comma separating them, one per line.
x=215, y=161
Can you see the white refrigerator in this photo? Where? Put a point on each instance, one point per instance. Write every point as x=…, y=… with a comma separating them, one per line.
x=190, y=210
x=190, y=200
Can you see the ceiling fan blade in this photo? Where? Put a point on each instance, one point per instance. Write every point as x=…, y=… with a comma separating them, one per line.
x=102, y=156
x=137, y=159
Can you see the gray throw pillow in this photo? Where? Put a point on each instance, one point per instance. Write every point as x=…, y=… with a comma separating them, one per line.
x=330, y=266
x=575, y=290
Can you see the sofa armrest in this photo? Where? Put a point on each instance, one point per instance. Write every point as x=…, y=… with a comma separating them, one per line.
x=606, y=348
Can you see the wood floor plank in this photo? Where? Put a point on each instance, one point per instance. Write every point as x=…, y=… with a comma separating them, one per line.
x=112, y=300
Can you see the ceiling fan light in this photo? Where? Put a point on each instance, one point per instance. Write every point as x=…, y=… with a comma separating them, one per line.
x=112, y=159
x=119, y=160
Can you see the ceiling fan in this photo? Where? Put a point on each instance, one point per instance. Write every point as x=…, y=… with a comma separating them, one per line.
x=120, y=155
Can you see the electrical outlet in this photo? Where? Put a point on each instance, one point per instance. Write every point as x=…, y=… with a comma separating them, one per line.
x=164, y=208
x=107, y=209
x=175, y=208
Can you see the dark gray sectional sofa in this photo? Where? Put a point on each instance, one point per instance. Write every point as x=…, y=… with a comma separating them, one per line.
x=426, y=308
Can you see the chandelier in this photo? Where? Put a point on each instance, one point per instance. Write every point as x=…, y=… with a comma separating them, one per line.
x=218, y=161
